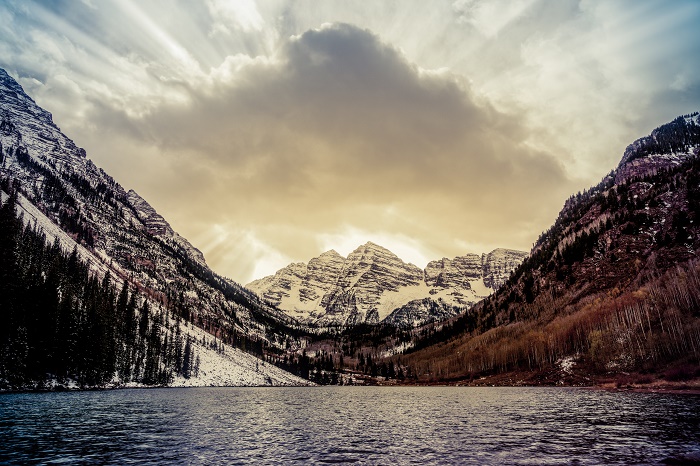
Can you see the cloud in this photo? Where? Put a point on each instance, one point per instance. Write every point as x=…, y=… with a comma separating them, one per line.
x=590, y=77
x=339, y=128
x=489, y=17
x=242, y=14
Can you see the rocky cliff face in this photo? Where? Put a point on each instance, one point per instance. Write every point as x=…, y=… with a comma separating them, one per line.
x=368, y=273
x=498, y=264
x=419, y=312
x=156, y=225
x=372, y=282
x=667, y=146
x=466, y=271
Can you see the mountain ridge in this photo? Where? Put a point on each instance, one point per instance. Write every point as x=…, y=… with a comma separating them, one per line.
x=611, y=288
x=122, y=237
x=372, y=282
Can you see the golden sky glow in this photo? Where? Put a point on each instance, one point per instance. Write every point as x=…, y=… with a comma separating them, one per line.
x=269, y=132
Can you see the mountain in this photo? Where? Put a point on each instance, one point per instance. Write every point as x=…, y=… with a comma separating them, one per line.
x=612, y=288
x=373, y=285
x=119, y=235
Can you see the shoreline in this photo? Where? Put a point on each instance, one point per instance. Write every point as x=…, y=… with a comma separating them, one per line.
x=690, y=387
x=666, y=387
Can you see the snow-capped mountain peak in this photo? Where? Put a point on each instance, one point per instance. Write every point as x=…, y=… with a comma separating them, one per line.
x=373, y=282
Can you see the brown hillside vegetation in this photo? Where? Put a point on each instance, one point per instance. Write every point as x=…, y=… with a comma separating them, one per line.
x=613, y=284
x=637, y=330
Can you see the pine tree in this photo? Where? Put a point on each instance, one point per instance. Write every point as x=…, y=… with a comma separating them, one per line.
x=61, y=322
x=185, y=370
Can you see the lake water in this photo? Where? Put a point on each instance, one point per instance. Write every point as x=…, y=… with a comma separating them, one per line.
x=353, y=425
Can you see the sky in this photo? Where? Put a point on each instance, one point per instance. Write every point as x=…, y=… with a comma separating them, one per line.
x=269, y=132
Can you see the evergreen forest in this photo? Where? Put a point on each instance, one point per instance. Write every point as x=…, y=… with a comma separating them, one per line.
x=63, y=325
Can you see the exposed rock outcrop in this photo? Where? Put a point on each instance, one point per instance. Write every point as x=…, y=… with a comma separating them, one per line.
x=372, y=283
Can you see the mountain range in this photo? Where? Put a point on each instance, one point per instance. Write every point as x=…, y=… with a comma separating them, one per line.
x=97, y=289
x=373, y=285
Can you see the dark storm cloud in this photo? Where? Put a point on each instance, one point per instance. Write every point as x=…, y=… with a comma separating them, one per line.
x=337, y=117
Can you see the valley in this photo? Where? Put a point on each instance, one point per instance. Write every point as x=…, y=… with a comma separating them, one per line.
x=610, y=292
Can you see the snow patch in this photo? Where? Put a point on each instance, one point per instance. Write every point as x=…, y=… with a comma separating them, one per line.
x=232, y=367
x=391, y=300
x=567, y=364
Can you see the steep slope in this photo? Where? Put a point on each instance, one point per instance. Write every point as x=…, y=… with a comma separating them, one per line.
x=613, y=285
x=369, y=272
x=156, y=225
x=373, y=285
x=64, y=328
x=118, y=233
x=298, y=288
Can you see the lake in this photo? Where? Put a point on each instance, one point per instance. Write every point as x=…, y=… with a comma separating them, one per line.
x=349, y=425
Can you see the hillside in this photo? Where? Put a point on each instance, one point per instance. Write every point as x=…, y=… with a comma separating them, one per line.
x=612, y=287
x=119, y=236
x=64, y=328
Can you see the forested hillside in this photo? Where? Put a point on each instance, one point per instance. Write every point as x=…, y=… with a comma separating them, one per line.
x=62, y=323
x=612, y=287
x=122, y=241
x=118, y=232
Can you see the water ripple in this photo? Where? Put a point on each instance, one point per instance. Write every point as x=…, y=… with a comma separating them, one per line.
x=349, y=425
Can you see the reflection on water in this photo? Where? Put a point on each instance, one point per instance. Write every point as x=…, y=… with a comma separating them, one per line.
x=360, y=425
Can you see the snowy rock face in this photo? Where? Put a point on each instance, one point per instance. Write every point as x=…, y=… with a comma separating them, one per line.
x=369, y=272
x=27, y=127
x=498, y=265
x=467, y=271
x=118, y=232
x=301, y=286
x=454, y=273
x=152, y=220
x=372, y=284
x=667, y=146
x=419, y=312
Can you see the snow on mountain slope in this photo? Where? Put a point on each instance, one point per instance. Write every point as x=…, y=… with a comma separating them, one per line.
x=368, y=272
x=231, y=367
x=118, y=232
x=667, y=146
x=372, y=283
x=35, y=218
